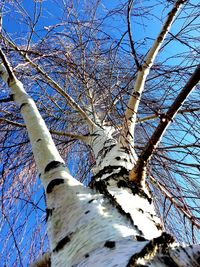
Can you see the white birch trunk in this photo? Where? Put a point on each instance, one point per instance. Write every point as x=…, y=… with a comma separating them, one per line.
x=133, y=104
x=113, y=224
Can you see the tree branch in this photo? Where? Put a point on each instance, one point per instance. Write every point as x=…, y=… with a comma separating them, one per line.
x=43, y=261
x=130, y=34
x=171, y=198
x=155, y=116
x=132, y=107
x=10, y=73
x=71, y=135
x=46, y=151
x=135, y=173
x=72, y=103
x=7, y=99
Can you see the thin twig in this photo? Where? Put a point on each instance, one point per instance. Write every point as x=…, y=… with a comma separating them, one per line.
x=155, y=116
x=7, y=65
x=72, y=103
x=71, y=135
x=130, y=34
x=171, y=198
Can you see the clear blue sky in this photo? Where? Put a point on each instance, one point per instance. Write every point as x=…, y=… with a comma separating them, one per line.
x=51, y=12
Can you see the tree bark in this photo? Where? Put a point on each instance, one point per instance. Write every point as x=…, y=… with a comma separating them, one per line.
x=114, y=222
x=133, y=103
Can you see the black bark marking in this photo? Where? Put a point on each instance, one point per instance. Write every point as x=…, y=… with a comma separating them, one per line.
x=49, y=262
x=117, y=158
x=49, y=213
x=185, y=251
x=87, y=255
x=101, y=187
x=53, y=183
x=136, y=94
x=158, y=244
x=159, y=226
x=111, y=141
x=108, y=149
x=91, y=200
x=53, y=165
x=109, y=244
x=96, y=136
x=38, y=140
x=9, y=80
x=121, y=184
x=23, y=105
x=140, y=238
x=109, y=169
x=135, y=189
x=62, y=243
x=11, y=97
x=128, y=132
x=104, y=151
x=167, y=260
x=86, y=212
x=125, y=150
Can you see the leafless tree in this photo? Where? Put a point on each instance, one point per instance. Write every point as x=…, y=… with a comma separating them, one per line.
x=117, y=86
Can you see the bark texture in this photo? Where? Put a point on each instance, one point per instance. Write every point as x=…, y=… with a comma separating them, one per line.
x=113, y=222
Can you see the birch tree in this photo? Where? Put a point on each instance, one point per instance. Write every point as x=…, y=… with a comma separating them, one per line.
x=123, y=118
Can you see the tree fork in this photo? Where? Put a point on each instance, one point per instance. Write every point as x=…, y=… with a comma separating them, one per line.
x=135, y=173
x=133, y=103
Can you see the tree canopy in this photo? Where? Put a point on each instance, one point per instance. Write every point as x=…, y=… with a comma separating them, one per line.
x=79, y=60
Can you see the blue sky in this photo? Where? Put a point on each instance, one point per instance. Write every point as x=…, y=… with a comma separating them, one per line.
x=51, y=12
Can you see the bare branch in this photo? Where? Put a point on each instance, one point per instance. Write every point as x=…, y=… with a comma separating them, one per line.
x=162, y=126
x=13, y=122
x=132, y=108
x=174, y=202
x=36, y=126
x=71, y=135
x=72, y=103
x=6, y=64
x=88, y=57
x=155, y=116
x=130, y=35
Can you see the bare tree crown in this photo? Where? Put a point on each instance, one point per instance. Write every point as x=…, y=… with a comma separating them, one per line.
x=117, y=97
